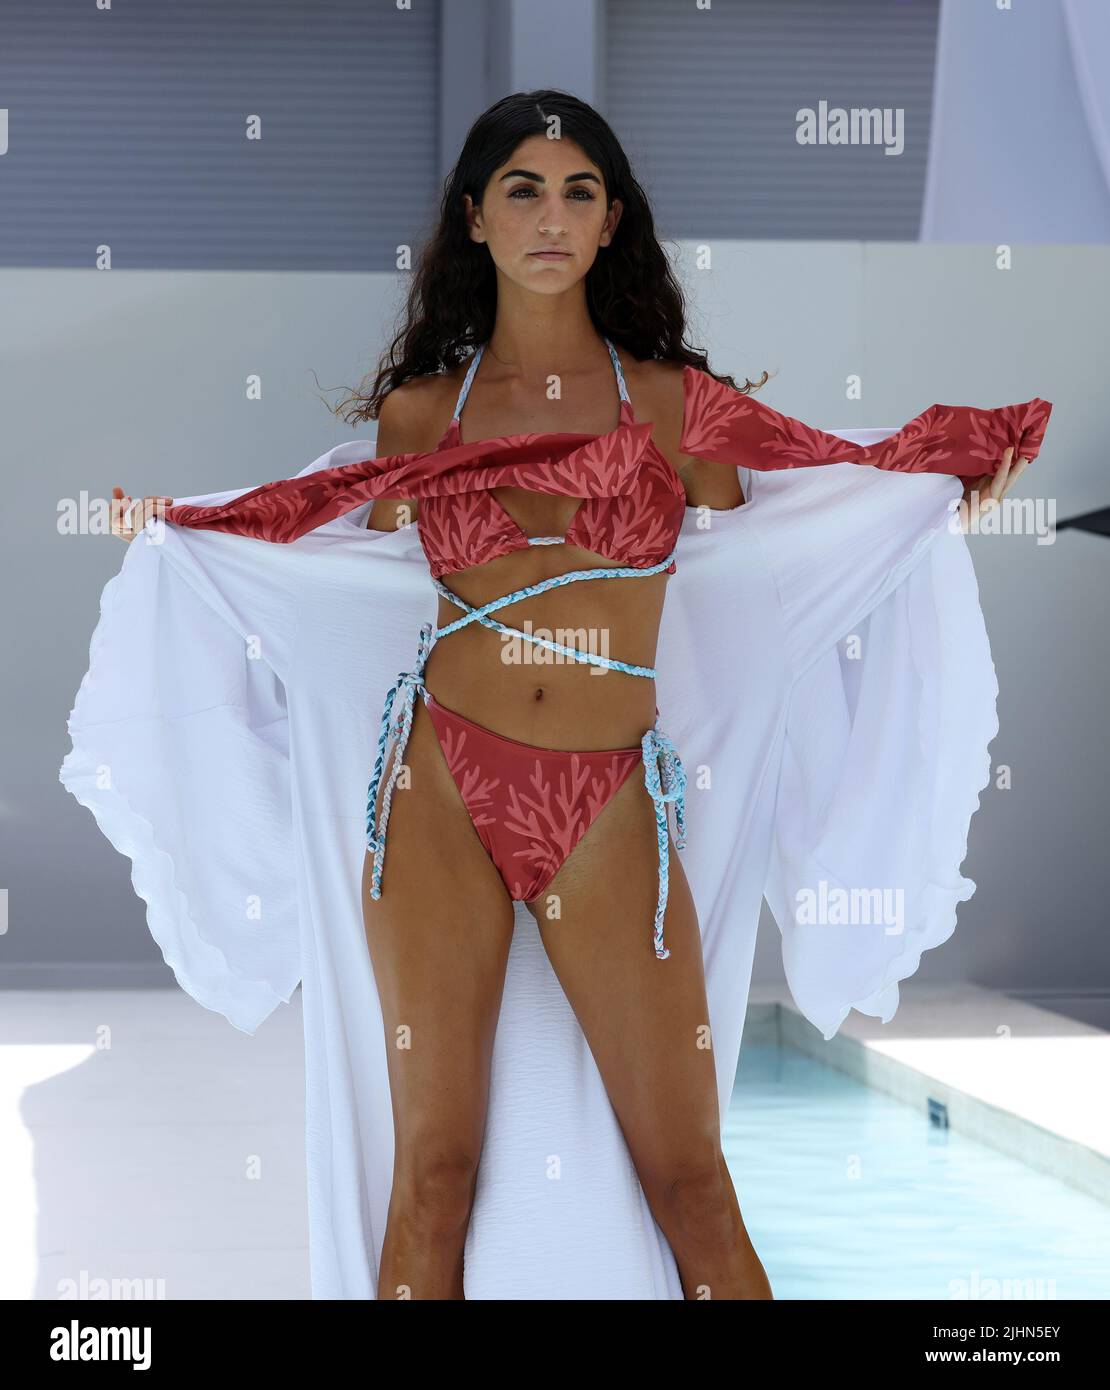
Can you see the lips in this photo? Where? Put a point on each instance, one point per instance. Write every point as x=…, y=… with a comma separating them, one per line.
x=550, y=255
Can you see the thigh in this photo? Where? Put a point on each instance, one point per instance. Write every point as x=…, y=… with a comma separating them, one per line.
x=646, y=1020
x=439, y=939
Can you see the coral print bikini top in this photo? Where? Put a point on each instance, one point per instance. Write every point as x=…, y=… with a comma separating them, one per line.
x=633, y=500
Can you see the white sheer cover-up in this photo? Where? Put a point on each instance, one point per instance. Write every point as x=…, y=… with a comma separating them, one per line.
x=825, y=674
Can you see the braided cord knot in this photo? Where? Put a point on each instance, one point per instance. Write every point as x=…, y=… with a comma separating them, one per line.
x=396, y=722
x=665, y=779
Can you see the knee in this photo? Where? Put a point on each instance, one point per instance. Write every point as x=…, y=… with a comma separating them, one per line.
x=697, y=1201
x=433, y=1194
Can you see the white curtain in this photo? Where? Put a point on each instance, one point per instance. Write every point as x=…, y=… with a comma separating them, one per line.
x=1019, y=148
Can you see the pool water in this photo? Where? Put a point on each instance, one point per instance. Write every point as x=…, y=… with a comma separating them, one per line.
x=849, y=1193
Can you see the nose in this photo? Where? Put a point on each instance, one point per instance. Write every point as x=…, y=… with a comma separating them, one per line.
x=551, y=222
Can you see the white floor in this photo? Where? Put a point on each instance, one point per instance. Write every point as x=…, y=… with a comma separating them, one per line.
x=142, y=1138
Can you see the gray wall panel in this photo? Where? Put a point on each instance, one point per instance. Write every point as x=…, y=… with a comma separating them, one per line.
x=127, y=128
x=706, y=103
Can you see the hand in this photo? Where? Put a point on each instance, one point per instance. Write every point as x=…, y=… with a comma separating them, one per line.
x=129, y=518
x=984, y=493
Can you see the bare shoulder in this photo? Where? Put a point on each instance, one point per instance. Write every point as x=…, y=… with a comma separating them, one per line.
x=658, y=392
x=413, y=416
x=411, y=420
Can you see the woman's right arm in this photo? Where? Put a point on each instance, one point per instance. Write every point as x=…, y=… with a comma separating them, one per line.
x=401, y=430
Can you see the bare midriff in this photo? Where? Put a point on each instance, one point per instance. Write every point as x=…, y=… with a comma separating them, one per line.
x=538, y=696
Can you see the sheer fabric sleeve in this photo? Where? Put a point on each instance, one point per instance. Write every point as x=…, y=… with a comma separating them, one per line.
x=180, y=749
x=891, y=711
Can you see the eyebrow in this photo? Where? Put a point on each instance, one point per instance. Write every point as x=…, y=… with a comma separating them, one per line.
x=539, y=178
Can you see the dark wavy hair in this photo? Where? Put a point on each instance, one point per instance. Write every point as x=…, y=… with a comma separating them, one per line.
x=631, y=292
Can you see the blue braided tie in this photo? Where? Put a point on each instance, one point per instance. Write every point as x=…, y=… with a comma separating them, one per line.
x=406, y=686
x=569, y=577
x=660, y=753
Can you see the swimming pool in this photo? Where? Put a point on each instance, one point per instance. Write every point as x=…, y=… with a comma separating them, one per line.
x=849, y=1193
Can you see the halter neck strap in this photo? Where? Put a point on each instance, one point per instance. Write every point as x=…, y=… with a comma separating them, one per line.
x=469, y=378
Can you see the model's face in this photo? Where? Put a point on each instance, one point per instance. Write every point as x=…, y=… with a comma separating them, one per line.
x=544, y=215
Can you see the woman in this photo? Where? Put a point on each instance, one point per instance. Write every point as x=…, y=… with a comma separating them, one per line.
x=511, y=780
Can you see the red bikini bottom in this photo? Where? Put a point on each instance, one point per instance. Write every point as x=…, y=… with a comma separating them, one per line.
x=529, y=805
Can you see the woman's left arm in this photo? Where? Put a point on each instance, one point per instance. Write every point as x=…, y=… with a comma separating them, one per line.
x=706, y=483
x=729, y=426
x=985, y=492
